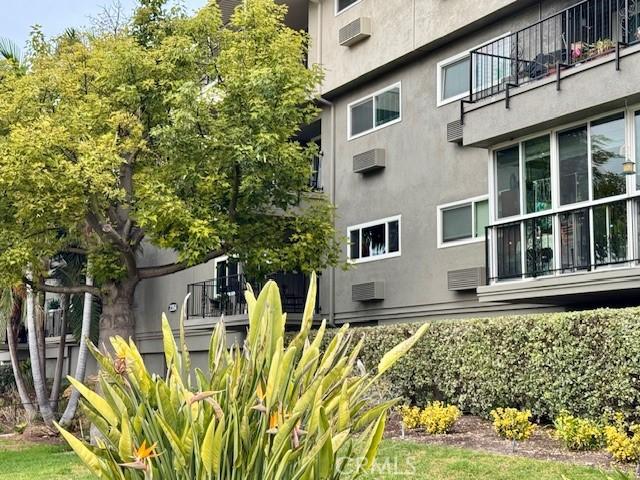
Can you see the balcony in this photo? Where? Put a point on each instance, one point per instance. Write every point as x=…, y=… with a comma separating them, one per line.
x=549, y=72
x=224, y=296
x=572, y=255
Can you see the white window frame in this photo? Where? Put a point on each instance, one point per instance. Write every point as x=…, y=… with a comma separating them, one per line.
x=372, y=97
x=453, y=59
x=461, y=203
x=339, y=12
x=374, y=223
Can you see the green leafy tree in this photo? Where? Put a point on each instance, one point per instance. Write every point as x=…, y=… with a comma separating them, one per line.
x=110, y=141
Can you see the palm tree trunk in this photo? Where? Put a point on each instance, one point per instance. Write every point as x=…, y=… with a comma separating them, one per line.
x=39, y=384
x=83, y=352
x=40, y=334
x=12, y=339
x=57, y=376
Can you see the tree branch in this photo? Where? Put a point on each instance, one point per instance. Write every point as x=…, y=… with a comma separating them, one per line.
x=71, y=290
x=169, y=268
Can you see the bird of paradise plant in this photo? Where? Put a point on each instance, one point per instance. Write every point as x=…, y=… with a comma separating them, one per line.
x=261, y=410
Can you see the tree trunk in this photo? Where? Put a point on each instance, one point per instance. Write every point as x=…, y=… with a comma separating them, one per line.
x=40, y=335
x=39, y=384
x=12, y=339
x=117, y=316
x=57, y=375
x=83, y=353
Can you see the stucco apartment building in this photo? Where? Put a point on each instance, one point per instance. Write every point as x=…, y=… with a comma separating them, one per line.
x=481, y=156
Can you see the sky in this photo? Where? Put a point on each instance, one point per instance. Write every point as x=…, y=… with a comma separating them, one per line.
x=54, y=16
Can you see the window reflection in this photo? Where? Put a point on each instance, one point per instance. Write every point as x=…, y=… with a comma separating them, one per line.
x=610, y=233
x=574, y=165
x=607, y=156
x=373, y=241
x=508, y=181
x=537, y=174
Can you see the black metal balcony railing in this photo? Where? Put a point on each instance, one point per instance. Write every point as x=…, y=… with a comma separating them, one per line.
x=580, y=33
x=225, y=295
x=583, y=239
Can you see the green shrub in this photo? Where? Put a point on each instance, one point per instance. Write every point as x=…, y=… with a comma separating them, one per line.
x=583, y=362
x=513, y=424
x=578, y=433
x=7, y=382
x=259, y=410
x=437, y=418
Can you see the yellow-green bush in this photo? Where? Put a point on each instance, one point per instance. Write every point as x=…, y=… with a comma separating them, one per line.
x=438, y=418
x=410, y=416
x=545, y=363
x=622, y=445
x=578, y=433
x=623, y=440
x=259, y=410
x=513, y=424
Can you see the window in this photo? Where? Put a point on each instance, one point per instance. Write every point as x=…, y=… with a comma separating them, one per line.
x=610, y=233
x=508, y=181
x=607, y=156
x=571, y=200
x=462, y=222
x=537, y=174
x=342, y=5
x=227, y=278
x=454, y=73
x=374, y=240
x=315, y=181
x=454, y=79
x=375, y=111
x=574, y=165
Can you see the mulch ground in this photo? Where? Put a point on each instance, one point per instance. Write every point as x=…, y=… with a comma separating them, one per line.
x=475, y=433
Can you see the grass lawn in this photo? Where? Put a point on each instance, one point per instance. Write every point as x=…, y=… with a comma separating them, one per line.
x=405, y=459
x=397, y=460
x=29, y=461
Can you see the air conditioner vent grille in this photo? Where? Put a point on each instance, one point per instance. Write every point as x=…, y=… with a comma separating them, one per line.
x=466, y=278
x=355, y=31
x=454, y=132
x=369, y=160
x=366, y=292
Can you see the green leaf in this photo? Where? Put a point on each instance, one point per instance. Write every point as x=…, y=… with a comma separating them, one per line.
x=89, y=458
x=396, y=353
x=97, y=402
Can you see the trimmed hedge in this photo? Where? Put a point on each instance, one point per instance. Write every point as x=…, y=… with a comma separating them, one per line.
x=583, y=362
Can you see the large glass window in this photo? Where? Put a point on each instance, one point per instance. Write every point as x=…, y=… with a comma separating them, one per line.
x=508, y=181
x=537, y=174
x=575, y=250
x=607, y=156
x=610, y=233
x=574, y=165
x=509, y=251
x=454, y=79
x=375, y=111
x=465, y=220
x=374, y=240
x=539, y=238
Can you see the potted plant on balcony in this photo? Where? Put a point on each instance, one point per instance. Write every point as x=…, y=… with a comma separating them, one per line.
x=601, y=47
